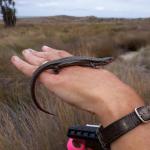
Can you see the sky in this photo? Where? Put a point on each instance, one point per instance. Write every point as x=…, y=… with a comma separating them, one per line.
x=99, y=8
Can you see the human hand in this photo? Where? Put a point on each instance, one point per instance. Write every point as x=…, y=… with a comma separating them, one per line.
x=97, y=91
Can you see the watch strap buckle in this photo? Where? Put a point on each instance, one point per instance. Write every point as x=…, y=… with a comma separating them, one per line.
x=140, y=116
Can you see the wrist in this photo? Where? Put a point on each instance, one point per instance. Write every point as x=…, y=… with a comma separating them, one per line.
x=115, y=110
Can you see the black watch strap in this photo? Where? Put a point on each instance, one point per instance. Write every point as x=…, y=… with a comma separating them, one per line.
x=120, y=127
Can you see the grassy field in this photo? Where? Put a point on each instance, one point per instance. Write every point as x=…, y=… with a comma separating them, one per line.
x=22, y=126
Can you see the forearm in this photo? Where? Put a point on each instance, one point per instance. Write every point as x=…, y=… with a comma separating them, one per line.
x=136, y=139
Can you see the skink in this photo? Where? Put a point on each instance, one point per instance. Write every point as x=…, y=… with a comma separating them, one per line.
x=59, y=64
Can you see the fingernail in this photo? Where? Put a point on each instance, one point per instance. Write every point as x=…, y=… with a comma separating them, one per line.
x=15, y=58
x=45, y=46
x=27, y=51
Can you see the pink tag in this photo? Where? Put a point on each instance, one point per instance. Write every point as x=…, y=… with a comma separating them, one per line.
x=80, y=144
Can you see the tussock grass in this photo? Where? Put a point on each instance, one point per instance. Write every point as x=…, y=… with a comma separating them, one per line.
x=22, y=126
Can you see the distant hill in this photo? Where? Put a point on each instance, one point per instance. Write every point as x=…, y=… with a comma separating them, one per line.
x=64, y=18
x=61, y=19
x=70, y=19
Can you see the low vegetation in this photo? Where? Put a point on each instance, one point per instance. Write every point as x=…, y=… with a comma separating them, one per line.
x=22, y=126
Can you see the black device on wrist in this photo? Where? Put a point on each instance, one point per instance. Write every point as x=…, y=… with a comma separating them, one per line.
x=87, y=133
x=103, y=137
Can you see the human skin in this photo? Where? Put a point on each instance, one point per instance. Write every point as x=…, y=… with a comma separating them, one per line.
x=95, y=90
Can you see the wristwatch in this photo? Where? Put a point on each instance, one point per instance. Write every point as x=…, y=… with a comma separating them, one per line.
x=120, y=127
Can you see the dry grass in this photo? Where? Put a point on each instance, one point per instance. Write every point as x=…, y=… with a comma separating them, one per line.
x=22, y=126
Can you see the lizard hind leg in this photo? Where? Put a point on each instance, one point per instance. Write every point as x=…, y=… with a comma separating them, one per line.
x=93, y=65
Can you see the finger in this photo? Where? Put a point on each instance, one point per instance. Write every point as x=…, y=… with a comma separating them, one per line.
x=49, y=80
x=40, y=54
x=51, y=55
x=46, y=55
x=61, y=53
x=23, y=66
x=48, y=49
x=31, y=58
